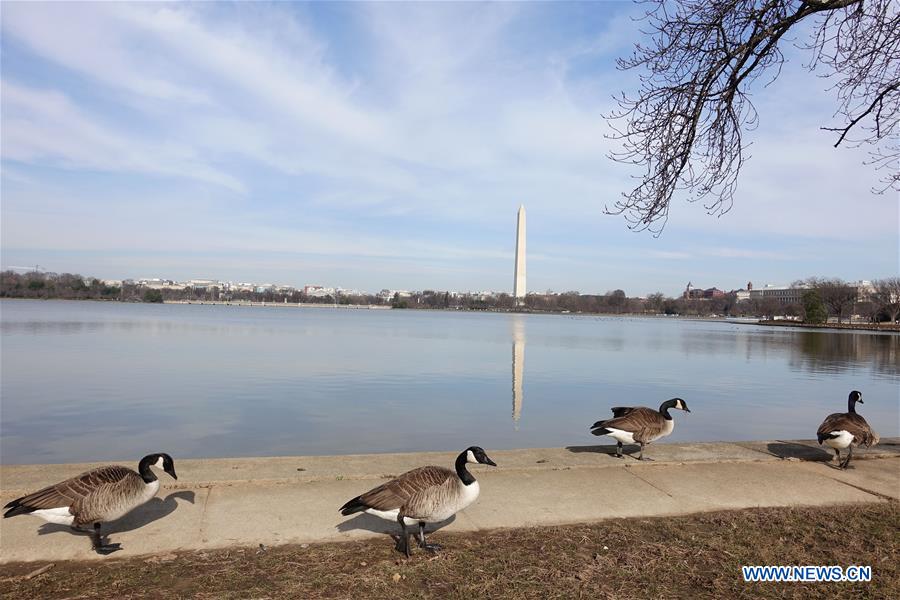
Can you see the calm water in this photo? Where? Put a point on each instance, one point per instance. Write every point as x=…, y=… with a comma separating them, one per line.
x=96, y=381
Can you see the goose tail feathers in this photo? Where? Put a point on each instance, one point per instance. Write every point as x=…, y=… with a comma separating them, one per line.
x=16, y=508
x=353, y=506
x=598, y=428
x=825, y=436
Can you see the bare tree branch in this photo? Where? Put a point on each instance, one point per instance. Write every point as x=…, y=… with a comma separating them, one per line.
x=879, y=102
x=685, y=125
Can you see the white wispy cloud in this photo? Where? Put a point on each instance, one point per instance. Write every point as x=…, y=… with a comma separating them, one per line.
x=92, y=42
x=403, y=131
x=669, y=254
x=43, y=125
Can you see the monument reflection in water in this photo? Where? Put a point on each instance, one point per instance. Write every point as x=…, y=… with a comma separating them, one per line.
x=518, y=367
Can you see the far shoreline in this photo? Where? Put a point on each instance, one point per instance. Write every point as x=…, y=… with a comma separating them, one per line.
x=877, y=328
x=832, y=326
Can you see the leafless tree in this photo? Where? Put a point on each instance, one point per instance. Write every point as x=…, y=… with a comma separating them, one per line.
x=887, y=296
x=656, y=301
x=867, y=310
x=769, y=307
x=616, y=300
x=838, y=296
x=685, y=126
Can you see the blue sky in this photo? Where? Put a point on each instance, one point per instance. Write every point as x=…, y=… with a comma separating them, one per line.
x=389, y=145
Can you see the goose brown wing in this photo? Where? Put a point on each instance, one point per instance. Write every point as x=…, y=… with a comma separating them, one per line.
x=831, y=423
x=72, y=492
x=853, y=424
x=866, y=436
x=643, y=423
x=396, y=493
x=621, y=411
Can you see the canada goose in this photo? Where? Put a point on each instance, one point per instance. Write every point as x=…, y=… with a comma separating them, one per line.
x=98, y=496
x=846, y=430
x=423, y=495
x=639, y=424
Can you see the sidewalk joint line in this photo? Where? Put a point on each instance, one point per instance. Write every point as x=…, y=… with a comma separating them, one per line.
x=650, y=484
x=862, y=489
x=209, y=492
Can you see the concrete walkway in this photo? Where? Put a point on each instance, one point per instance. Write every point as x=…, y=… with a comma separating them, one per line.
x=225, y=502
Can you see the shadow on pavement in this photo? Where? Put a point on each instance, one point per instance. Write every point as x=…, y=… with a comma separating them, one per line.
x=606, y=449
x=798, y=451
x=155, y=509
x=379, y=525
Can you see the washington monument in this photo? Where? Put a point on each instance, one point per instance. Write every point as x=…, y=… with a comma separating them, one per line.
x=519, y=284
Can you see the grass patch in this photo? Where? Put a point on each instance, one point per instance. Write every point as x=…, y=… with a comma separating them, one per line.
x=663, y=557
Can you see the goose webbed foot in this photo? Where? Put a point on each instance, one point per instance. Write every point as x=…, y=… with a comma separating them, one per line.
x=641, y=455
x=424, y=545
x=99, y=546
x=618, y=453
x=400, y=545
x=846, y=462
x=107, y=548
x=836, y=461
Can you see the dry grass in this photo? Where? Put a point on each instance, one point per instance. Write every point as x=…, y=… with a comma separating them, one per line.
x=679, y=557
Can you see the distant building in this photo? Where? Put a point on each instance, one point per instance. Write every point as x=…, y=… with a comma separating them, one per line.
x=317, y=291
x=204, y=284
x=864, y=290
x=793, y=294
x=155, y=283
x=692, y=293
x=782, y=294
x=741, y=295
x=388, y=295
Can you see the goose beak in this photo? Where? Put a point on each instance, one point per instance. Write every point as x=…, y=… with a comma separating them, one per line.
x=686, y=409
x=488, y=461
x=172, y=473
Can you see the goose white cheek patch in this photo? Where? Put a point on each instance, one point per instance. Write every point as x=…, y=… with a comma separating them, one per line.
x=470, y=457
x=159, y=463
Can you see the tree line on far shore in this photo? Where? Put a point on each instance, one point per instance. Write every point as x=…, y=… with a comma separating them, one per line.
x=822, y=299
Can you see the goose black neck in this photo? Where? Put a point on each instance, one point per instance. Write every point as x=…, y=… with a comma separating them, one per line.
x=664, y=409
x=851, y=406
x=461, y=469
x=145, y=471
